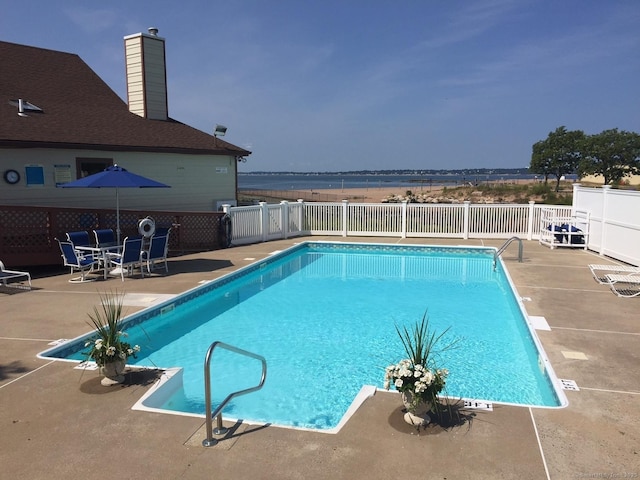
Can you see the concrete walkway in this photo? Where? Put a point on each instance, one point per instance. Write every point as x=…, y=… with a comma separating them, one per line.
x=58, y=422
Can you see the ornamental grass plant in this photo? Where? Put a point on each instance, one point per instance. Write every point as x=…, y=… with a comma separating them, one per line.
x=107, y=344
x=418, y=376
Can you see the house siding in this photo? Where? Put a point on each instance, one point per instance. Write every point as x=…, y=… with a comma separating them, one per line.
x=197, y=181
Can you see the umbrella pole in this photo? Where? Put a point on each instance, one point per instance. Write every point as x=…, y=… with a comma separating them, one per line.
x=118, y=215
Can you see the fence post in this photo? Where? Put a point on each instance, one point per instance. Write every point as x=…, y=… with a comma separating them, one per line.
x=301, y=217
x=530, y=221
x=264, y=220
x=284, y=205
x=345, y=211
x=603, y=237
x=465, y=222
x=403, y=233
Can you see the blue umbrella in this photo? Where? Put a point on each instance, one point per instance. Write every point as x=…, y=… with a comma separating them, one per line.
x=115, y=177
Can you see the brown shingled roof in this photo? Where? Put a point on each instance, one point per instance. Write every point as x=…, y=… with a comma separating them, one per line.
x=79, y=110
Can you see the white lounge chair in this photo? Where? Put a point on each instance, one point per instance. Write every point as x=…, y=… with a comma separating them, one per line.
x=599, y=272
x=7, y=274
x=624, y=285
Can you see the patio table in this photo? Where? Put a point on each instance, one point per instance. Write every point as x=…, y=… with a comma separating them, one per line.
x=102, y=253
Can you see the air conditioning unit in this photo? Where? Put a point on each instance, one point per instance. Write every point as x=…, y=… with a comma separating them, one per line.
x=220, y=203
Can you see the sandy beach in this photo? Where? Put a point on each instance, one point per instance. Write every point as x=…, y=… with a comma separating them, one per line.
x=375, y=194
x=365, y=194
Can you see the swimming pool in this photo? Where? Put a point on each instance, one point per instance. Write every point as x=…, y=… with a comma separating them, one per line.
x=323, y=315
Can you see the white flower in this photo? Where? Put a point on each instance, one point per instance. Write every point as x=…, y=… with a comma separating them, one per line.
x=123, y=355
x=129, y=351
x=136, y=348
x=427, y=378
x=111, y=351
x=398, y=383
x=98, y=344
x=387, y=384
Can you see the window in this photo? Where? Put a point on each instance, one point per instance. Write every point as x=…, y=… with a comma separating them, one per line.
x=89, y=166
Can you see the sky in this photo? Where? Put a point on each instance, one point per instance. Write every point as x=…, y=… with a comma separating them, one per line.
x=344, y=85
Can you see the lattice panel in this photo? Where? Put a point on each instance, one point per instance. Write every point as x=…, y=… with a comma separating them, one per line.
x=24, y=231
x=199, y=232
x=27, y=234
x=74, y=221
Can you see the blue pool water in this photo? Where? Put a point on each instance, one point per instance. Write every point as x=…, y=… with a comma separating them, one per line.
x=323, y=315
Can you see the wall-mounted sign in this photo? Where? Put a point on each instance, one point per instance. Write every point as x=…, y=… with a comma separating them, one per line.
x=222, y=170
x=35, y=175
x=61, y=174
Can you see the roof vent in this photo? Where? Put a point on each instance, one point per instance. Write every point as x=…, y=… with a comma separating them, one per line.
x=24, y=107
x=153, y=31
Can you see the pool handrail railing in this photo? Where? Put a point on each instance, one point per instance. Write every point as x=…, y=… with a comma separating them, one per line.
x=220, y=430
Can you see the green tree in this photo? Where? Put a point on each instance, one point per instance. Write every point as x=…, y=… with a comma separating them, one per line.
x=613, y=154
x=557, y=155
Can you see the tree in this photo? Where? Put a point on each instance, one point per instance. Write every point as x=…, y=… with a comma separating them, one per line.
x=557, y=155
x=613, y=154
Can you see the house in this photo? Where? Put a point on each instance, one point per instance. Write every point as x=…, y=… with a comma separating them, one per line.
x=59, y=121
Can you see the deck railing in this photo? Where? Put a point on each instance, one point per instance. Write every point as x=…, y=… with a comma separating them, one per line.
x=264, y=222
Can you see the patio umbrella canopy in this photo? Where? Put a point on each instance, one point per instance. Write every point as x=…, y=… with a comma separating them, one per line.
x=115, y=177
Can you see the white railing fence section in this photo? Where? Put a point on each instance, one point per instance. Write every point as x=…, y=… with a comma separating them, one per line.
x=264, y=222
x=614, y=226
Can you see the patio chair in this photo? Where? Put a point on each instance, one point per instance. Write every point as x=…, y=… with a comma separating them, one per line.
x=104, y=237
x=624, y=285
x=8, y=274
x=157, y=252
x=599, y=272
x=76, y=261
x=130, y=257
x=80, y=239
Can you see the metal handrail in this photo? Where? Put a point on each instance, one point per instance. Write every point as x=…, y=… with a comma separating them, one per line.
x=504, y=247
x=220, y=430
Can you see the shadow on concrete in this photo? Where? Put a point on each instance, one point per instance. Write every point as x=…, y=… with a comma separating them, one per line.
x=12, y=368
x=443, y=418
x=195, y=265
x=132, y=378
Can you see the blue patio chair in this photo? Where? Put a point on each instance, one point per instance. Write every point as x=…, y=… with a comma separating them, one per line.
x=76, y=261
x=79, y=239
x=162, y=231
x=130, y=257
x=104, y=237
x=157, y=252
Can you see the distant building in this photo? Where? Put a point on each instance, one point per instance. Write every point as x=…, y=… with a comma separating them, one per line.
x=59, y=121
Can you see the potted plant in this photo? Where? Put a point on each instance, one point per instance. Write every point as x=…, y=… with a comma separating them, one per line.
x=107, y=347
x=417, y=377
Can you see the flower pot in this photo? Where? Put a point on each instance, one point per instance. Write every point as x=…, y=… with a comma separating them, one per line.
x=112, y=372
x=417, y=412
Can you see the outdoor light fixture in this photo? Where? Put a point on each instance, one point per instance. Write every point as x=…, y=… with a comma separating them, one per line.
x=219, y=131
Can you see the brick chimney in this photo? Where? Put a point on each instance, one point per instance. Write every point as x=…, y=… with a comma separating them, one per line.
x=146, y=75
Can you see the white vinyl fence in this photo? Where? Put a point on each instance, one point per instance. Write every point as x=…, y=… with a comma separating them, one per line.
x=614, y=226
x=614, y=221
x=264, y=222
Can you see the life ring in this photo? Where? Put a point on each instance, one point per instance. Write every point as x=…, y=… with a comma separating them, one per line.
x=147, y=227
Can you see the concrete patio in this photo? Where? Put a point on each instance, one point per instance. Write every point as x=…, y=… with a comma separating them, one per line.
x=58, y=422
